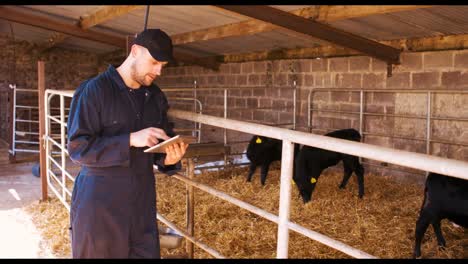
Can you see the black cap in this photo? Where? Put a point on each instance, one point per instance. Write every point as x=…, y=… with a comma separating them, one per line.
x=158, y=43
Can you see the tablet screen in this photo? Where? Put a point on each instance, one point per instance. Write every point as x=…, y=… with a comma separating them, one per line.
x=161, y=147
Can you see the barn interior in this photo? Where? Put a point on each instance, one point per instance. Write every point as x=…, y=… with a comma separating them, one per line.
x=398, y=74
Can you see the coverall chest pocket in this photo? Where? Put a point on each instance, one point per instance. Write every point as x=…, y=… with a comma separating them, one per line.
x=114, y=122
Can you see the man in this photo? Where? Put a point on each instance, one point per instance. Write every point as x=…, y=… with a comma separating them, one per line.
x=113, y=118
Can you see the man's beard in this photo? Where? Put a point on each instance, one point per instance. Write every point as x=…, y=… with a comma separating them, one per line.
x=140, y=79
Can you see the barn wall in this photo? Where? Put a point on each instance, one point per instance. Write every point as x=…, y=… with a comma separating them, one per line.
x=65, y=69
x=439, y=70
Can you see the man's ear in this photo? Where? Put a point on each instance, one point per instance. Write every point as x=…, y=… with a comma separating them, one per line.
x=134, y=50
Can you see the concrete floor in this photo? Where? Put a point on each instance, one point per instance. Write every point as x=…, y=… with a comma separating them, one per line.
x=19, y=236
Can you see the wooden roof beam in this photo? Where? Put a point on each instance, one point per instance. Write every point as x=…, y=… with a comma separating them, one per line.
x=438, y=43
x=17, y=15
x=317, y=30
x=87, y=21
x=104, y=14
x=322, y=13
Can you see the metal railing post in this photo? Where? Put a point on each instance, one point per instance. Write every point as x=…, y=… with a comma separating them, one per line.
x=62, y=143
x=428, y=126
x=294, y=104
x=287, y=163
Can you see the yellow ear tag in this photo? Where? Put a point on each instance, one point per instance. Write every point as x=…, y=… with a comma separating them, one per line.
x=313, y=180
x=292, y=181
x=258, y=141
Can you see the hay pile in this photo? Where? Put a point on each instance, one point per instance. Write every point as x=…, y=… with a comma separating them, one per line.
x=52, y=220
x=382, y=224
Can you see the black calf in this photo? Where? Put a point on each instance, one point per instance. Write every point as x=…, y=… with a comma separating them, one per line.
x=312, y=161
x=262, y=151
x=444, y=197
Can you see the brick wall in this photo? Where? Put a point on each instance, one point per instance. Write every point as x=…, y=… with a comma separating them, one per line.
x=441, y=70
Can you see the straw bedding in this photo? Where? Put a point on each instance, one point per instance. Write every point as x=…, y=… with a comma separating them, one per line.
x=381, y=224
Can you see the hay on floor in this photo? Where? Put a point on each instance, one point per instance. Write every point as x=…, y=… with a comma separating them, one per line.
x=52, y=220
x=382, y=224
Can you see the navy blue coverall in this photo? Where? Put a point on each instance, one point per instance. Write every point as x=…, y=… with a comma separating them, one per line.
x=113, y=206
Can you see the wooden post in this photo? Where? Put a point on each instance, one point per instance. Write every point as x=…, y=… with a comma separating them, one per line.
x=11, y=123
x=42, y=152
x=190, y=210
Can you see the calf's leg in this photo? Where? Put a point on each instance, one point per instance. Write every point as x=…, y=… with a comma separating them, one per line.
x=264, y=172
x=252, y=168
x=351, y=163
x=438, y=232
x=425, y=218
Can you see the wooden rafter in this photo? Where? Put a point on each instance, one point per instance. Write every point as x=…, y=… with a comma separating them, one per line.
x=322, y=13
x=452, y=42
x=318, y=30
x=90, y=20
x=52, y=41
x=15, y=14
x=104, y=14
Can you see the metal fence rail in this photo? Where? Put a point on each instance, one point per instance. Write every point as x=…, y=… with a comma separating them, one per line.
x=226, y=109
x=445, y=166
x=404, y=158
x=64, y=195
x=29, y=145
x=429, y=117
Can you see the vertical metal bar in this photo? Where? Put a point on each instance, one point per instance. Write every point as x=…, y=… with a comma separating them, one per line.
x=428, y=126
x=190, y=208
x=42, y=127
x=62, y=143
x=295, y=105
x=361, y=115
x=224, y=129
x=29, y=123
x=287, y=163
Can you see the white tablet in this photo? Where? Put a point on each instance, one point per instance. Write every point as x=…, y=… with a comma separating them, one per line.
x=161, y=147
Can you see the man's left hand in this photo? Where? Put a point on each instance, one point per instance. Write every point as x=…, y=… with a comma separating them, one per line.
x=175, y=152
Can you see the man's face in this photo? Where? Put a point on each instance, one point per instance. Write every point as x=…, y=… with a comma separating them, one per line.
x=145, y=68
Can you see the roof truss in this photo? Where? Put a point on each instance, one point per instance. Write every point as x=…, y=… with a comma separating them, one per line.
x=322, y=13
x=318, y=30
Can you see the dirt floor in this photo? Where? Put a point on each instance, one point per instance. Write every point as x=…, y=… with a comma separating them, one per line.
x=20, y=236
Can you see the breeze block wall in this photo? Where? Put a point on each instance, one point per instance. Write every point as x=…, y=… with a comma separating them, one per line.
x=269, y=94
x=64, y=70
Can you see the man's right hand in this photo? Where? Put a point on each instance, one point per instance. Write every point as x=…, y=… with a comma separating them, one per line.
x=147, y=137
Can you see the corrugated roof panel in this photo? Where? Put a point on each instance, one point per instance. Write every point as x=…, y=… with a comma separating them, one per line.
x=253, y=43
x=439, y=20
x=172, y=19
x=176, y=19
x=445, y=20
x=86, y=45
x=379, y=27
x=68, y=11
x=24, y=32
